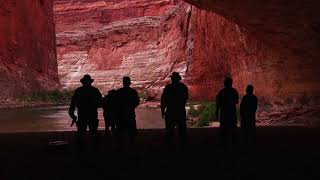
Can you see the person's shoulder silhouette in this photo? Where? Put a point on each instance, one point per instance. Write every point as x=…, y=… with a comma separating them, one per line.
x=87, y=96
x=110, y=101
x=128, y=96
x=249, y=102
x=228, y=96
x=175, y=93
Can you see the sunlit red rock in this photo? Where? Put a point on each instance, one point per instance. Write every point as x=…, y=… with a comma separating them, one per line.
x=149, y=39
x=27, y=47
x=110, y=39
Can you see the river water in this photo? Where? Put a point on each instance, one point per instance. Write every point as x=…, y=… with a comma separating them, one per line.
x=45, y=119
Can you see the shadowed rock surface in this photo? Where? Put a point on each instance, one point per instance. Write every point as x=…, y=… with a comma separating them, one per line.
x=27, y=47
x=288, y=29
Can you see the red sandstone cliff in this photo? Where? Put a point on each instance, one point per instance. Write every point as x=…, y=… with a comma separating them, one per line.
x=27, y=47
x=149, y=39
x=109, y=39
x=288, y=63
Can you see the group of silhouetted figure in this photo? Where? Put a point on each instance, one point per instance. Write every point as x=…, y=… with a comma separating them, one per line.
x=119, y=111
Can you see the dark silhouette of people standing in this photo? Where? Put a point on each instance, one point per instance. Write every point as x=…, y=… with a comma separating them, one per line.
x=128, y=101
x=248, y=108
x=227, y=101
x=87, y=99
x=173, y=102
x=110, y=105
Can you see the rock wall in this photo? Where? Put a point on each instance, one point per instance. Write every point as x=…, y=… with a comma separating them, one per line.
x=222, y=48
x=143, y=39
x=27, y=47
x=287, y=64
x=149, y=39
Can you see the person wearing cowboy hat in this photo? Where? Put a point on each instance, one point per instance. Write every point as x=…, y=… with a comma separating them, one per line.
x=173, y=102
x=86, y=99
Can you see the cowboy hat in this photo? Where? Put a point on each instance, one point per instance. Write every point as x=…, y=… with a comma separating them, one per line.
x=86, y=79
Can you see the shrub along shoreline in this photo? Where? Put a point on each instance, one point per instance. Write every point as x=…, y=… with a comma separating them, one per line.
x=36, y=99
x=201, y=114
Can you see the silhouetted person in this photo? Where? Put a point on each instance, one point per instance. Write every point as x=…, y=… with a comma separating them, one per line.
x=248, y=108
x=86, y=99
x=110, y=105
x=227, y=101
x=173, y=102
x=128, y=101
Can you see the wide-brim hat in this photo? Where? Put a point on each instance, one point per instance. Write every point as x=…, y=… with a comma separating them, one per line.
x=86, y=79
x=175, y=75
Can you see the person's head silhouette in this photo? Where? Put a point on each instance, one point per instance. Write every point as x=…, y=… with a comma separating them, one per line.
x=175, y=77
x=249, y=89
x=228, y=82
x=86, y=80
x=126, y=81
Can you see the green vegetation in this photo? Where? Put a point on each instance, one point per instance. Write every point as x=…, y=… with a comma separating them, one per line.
x=204, y=113
x=143, y=95
x=56, y=96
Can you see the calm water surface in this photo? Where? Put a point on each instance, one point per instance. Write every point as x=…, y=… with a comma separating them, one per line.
x=57, y=119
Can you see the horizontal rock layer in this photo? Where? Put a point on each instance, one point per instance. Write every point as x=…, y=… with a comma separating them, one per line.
x=143, y=39
x=147, y=40
x=27, y=47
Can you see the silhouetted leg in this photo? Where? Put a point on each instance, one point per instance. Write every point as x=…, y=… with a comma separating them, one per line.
x=93, y=127
x=182, y=126
x=244, y=132
x=253, y=135
x=107, y=125
x=132, y=130
x=223, y=134
x=116, y=128
x=113, y=128
x=233, y=134
x=121, y=130
x=169, y=133
x=80, y=135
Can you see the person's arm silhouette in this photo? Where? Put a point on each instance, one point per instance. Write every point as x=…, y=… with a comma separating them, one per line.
x=255, y=103
x=136, y=100
x=218, y=106
x=72, y=107
x=186, y=93
x=242, y=106
x=163, y=102
x=99, y=98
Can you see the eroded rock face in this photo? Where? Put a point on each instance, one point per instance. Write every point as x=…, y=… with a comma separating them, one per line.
x=143, y=39
x=27, y=47
x=276, y=49
x=288, y=62
x=147, y=40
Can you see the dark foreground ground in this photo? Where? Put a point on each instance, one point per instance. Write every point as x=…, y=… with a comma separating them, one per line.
x=281, y=153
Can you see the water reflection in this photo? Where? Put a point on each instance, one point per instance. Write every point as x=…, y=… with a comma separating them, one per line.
x=56, y=119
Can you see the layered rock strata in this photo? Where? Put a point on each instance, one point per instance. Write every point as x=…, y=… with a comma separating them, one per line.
x=147, y=40
x=143, y=39
x=27, y=47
